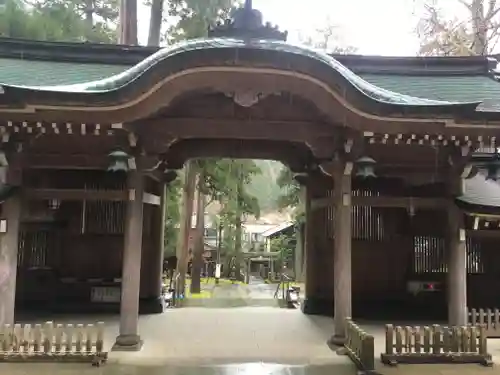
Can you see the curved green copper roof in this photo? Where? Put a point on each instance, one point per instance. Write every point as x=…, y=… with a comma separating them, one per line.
x=234, y=49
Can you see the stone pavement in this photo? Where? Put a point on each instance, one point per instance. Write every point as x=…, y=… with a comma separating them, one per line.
x=194, y=337
x=228, y=294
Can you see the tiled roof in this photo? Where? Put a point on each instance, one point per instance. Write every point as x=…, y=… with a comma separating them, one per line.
x=450, y=88
x=45, y=73
x=29, y=63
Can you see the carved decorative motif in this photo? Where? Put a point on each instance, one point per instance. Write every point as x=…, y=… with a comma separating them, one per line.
x=247, y=97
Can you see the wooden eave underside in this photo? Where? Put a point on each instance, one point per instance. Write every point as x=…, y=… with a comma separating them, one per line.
x=286, y=128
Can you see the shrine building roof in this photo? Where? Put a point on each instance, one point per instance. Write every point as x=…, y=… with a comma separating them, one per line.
x=450, y=79
x=453, y=85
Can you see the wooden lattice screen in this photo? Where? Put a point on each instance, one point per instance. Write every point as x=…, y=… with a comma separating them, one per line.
x=429, y=255
x=103, y=217
x=37, y=248
x=368, y=223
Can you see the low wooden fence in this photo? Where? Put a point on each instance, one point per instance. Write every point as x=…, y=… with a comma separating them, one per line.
x=490, y=318
x=359, y=347
x=435, y=344
x=49, y=342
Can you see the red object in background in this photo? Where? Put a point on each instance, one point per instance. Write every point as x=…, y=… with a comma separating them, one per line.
x=431, y=287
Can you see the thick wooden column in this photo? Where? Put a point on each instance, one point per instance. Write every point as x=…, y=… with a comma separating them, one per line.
x=160, y=249
x=342, y=253
x=309, y=261
x=9, y=239
x=11, y=213
x=153, y=302
x=457, y=267
x=299, y=253
x=129, y=338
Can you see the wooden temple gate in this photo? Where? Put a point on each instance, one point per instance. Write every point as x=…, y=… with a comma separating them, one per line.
x=410, y=236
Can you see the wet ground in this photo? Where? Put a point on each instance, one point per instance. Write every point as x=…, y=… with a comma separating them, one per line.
x=236, y=369
x=239, y=340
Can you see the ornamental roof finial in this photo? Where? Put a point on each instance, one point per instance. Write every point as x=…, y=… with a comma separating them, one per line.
x=246, y=23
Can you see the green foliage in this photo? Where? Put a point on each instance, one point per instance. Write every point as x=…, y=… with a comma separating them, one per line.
x=172, y=215
x=58, y=20
x=290, y=198
x=195, y=16
x=284, y=245
x=264, y=187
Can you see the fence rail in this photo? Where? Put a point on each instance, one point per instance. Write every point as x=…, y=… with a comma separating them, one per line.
x=360, y=347
x=490, y=318
x=49, y=342
x=435, y=344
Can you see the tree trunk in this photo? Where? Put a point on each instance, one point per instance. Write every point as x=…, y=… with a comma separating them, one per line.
x=128, y=22
x=237, y=240
x=155, y=22
x=186, y=217
x=479, y=29
x=89, y=13
x=198, y=246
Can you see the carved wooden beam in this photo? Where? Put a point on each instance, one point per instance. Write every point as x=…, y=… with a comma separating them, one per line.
x=320, y=138
x=235, y=128
x=296, y=156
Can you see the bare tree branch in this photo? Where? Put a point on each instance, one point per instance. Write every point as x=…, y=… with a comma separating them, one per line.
x=477, y=34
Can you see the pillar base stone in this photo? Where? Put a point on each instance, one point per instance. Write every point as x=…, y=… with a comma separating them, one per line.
x=337, y=340
x=127, y=343
x=317, y=306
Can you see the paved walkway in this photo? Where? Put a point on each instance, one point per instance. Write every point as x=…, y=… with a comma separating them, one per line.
x=194, y=337
x=227, y=294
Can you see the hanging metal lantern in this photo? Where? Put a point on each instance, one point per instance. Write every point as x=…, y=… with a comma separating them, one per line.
x=118, y=161
x=365, y=167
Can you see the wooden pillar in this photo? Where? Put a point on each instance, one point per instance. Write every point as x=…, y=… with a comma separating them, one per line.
x=309, y=255
x=299, y=252
x=161, y=240
x=129, y=339
x=342, y=253
x=457, y=267
x=153, y=272
x=9, y=240
x=317, y=266
x=11, y=213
